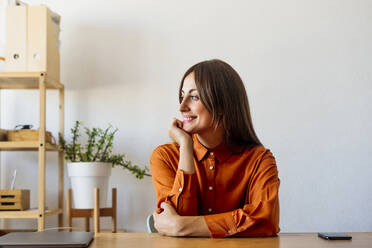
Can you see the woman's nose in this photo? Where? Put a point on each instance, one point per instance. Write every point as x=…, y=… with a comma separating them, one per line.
x=183, y=105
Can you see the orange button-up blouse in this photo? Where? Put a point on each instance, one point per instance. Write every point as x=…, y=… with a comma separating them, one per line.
x=236, y=193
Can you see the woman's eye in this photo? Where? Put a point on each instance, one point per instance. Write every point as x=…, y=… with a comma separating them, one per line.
x=194, y=98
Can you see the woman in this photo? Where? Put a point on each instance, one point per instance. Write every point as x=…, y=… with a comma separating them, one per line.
x=215, y=179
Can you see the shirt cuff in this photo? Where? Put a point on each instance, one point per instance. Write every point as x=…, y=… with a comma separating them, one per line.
x=185, y=184
x=221, y=225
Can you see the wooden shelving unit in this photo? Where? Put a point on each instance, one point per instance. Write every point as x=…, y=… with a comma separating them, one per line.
x=24, y=146
x=28, y=214
x=37, y=81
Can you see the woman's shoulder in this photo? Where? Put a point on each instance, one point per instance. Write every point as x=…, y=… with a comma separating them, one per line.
x=167, y=149
x=258, y=152
x=166, y=155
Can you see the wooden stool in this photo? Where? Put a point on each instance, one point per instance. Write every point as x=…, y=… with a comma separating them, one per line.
x=95, y=213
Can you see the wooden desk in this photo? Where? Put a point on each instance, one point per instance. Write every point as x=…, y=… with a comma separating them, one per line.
x=284, y=240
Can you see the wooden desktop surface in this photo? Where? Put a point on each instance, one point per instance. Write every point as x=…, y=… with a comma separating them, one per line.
x=284, y=240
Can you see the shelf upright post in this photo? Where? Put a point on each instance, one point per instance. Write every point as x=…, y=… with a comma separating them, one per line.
x=42, y=123
x=61, y=161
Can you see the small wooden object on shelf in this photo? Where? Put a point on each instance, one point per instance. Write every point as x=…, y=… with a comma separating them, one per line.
x=3, y=135
x=28, y=135
x=17, y=199
x=95, y=213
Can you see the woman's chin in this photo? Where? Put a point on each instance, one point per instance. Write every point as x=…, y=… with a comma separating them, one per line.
x=187, y=129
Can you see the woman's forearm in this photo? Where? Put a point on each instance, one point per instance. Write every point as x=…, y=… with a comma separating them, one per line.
x=193, y=226
x=186, y=162
x=170, y=223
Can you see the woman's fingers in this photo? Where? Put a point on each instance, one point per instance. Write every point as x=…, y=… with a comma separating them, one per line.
x=165, y=221
x=174, y=122
x=159, y=223
x=175, y=131
x=167, y=208
x=179, y=123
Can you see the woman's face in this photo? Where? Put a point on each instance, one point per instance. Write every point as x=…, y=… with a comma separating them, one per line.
x=196, y=118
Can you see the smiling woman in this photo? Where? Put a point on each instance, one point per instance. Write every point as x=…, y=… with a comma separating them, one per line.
x=196, y=118
x=216, y=179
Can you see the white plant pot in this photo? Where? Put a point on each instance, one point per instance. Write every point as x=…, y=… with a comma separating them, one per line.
x=85, y=176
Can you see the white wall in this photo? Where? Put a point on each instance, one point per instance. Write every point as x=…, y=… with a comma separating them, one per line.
x=306, y=66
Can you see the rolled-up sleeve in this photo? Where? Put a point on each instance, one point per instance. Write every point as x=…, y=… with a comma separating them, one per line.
x=173, y=185
x=260, y=214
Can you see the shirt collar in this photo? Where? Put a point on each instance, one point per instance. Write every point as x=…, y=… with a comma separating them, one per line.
x=222, y=152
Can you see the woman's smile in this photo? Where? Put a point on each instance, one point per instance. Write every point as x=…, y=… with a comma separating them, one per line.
x=188, y=118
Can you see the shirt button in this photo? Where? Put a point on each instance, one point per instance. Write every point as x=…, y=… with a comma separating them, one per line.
x=180, y=189
x=229, y=231
x=211, y=167
x=210, y=188
x=209, y=210
x=211, y=153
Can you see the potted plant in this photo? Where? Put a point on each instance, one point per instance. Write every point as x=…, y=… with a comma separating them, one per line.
x=89, y=165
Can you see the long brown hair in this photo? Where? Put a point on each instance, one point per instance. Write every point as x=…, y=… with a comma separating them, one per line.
x=223, y=94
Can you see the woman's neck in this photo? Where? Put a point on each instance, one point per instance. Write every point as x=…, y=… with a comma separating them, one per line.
x=211, y=139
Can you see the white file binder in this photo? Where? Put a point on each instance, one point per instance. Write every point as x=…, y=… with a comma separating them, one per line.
x=31, y=43
x=3, y=4
x=16, y=38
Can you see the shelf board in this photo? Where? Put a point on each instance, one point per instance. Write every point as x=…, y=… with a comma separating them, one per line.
x=26, y=80
x=28, y=214
x=24, y=146
x=54, y=211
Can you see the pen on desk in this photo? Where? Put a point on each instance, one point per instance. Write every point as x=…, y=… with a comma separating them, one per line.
x=13, y=180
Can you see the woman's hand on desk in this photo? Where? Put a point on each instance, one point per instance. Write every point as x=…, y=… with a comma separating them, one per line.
x=169, y=223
